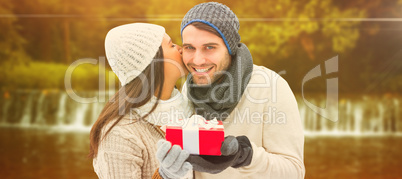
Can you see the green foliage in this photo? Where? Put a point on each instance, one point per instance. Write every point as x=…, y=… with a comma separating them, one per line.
x=304, y=24
x=39, y=39
x=11, y=41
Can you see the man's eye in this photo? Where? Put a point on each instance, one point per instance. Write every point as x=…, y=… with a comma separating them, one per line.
x=189, y=48
x=210, y=47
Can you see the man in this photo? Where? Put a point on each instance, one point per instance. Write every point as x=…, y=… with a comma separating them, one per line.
x=255, y=104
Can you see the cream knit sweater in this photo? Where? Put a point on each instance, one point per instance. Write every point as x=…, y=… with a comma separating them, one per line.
x=128, y=151
x=268, y=115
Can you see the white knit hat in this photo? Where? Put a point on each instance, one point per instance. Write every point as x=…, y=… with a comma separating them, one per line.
x=131, y=48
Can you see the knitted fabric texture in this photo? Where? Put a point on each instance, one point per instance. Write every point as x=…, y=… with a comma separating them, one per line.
x=218, y=16
x=129, y=150
x=131, y=48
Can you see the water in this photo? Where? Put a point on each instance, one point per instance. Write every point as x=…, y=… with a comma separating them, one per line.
x=55, y=110
x=48, y=110
x=61, y=112
x=45, y=134
x=35, y=153
x=353, y=157
x=365, y=115
x=25, y=121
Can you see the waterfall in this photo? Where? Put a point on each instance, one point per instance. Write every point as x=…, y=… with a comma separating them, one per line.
x=79, y=117
x=397, y=115
x=6, y=105
x=48, y=110
x=61, y=114
x=39, y=119
x=357, y=116
x=55, y=110
x=26, y=118
x=378, y=121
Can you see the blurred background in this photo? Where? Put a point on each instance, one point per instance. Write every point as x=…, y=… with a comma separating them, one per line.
x=44, y=131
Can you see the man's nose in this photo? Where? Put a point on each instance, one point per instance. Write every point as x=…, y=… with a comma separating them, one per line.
x=198, y=58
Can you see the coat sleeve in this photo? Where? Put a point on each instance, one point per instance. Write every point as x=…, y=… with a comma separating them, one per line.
x=118, y=157
x=281, y=155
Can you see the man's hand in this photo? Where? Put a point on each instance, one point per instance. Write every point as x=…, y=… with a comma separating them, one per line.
x=236, y=152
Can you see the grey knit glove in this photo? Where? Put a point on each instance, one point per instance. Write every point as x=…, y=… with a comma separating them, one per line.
x=172, y=160
x=236, y=152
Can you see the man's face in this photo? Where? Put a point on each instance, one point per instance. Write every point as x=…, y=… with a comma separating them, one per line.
x=204, y=54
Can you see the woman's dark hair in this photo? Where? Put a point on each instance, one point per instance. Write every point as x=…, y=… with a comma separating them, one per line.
x=133, y=95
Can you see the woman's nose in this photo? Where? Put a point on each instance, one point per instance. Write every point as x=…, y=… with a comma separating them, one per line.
x=180, y=49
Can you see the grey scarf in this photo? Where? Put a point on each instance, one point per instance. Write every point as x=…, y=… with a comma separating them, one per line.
x=221, y=97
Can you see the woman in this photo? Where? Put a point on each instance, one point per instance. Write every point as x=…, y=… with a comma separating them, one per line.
x=123, y=141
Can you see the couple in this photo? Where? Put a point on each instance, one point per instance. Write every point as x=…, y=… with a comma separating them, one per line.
x=264, y=137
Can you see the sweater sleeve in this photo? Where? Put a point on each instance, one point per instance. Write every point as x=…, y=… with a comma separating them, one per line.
x=118, y=157
x=156, y=174
x=281, y=155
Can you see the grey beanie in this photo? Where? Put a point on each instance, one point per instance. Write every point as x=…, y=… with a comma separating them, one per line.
x=218, y=16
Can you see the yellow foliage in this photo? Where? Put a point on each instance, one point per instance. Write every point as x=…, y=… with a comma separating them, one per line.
x=39, y=75
x=291, y=22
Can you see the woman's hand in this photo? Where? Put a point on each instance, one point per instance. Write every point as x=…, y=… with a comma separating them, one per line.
x=172, y=160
